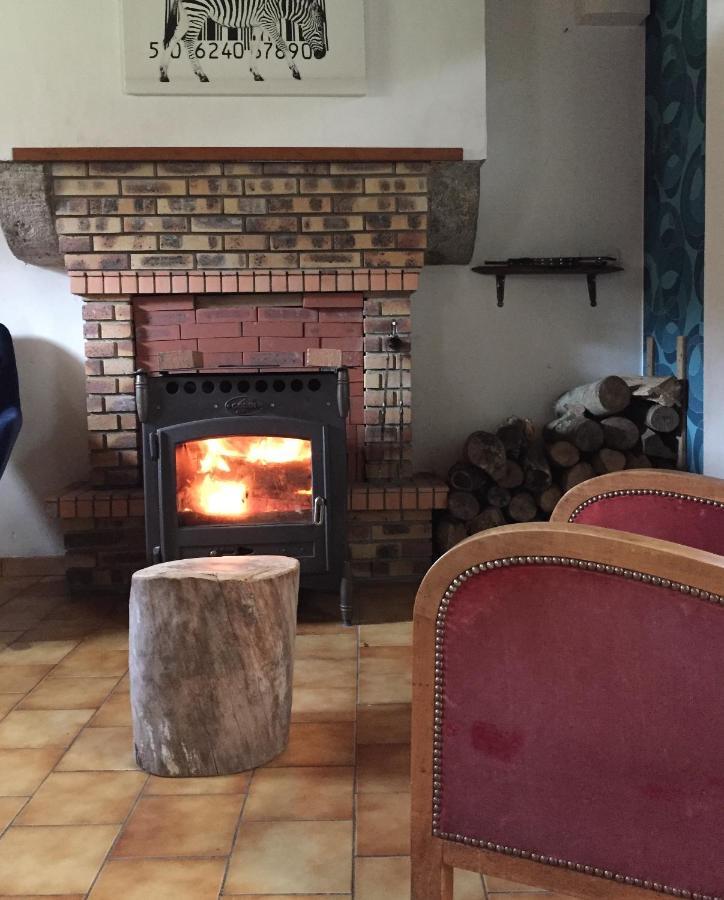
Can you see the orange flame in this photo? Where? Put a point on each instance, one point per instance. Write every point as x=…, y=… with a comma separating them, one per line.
x=217, y=476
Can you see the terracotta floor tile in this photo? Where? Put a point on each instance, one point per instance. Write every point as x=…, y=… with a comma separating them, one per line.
x=22, y=771
x=19, y=679
x=272, y=897
x=97, y=655
x=58, y=860
x=159, y=879
x=35, y=653
x=467, y=886
x=383, y=825
x=383, y=768
x=287, y=857
x=69, y=693
x=123, y=686
x=325, y=672
x=25, y=604
x=115, y=711
x=43, y=897
x=321, y=628
x=34, y=728
x=223, y=784
x=7, y=637
x=385, y=723
x=385, y=675
x=181, y=826
x=382, y=878
x=323, y=704
x=11, y=587
x=500, y=886
x=318, y=744
x=308, y=793
x=100, y=749
x=326, y=646
x=396, y=634
x=9, y=808
x=8, y=701
x=48, y=630
x=83, y=798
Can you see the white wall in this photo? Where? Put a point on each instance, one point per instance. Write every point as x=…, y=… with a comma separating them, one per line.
x=61, y=67
x=51, y=453
x=564, y=176
x=714, y=261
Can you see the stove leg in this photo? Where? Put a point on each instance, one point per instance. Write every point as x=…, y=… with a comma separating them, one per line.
x=346, y=600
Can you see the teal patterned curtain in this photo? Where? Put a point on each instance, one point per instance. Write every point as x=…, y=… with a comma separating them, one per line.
x=674, y=203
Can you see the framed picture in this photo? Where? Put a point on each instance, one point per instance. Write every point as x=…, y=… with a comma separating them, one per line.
x=256, y=47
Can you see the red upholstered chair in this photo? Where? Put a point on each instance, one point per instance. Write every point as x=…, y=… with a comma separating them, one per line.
x=568, y=720
x=671, y=506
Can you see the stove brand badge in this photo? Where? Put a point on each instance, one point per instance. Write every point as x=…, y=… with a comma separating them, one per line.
x=244, y=406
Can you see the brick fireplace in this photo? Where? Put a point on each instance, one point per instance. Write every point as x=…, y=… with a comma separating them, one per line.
x=246, y=268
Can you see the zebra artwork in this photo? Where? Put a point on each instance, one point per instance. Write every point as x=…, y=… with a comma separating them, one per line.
x=185, y=20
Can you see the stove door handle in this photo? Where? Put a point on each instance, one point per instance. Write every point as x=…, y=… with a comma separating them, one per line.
x=320, y=507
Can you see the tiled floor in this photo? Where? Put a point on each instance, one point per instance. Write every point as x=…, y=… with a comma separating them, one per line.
x=329, y=817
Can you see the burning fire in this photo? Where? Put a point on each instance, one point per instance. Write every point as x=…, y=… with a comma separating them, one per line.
x=240, y=477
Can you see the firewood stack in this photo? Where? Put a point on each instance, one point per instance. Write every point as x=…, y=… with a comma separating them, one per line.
x=518, y=474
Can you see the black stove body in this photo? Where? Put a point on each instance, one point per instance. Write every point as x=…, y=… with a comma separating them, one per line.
x=309, y=410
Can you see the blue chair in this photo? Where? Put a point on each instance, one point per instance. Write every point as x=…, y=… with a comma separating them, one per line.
x=11, y=418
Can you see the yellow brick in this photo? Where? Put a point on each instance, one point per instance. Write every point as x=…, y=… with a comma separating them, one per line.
x=262, y=186
x=153, y=187
x=85, y=225
x=127, y=242
x=85, y=186
x=332, y=223
x=396, y=185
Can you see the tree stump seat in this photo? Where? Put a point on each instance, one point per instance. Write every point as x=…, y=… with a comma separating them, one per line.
x=211, y=659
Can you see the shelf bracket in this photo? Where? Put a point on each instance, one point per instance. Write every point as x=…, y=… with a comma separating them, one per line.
x=592, y=291
x=500, y=289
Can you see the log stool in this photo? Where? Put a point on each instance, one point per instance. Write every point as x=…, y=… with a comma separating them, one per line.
x=211, y=659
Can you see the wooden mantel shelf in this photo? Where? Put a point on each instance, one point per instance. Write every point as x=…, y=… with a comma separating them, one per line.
x=237, y=154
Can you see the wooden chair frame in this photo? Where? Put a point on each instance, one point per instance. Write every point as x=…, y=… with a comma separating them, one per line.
x=434, y=858
x=659, y=481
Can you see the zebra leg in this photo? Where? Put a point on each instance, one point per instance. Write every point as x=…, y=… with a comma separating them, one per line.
x=167, y=50
x=191, y=40
x=281, y=45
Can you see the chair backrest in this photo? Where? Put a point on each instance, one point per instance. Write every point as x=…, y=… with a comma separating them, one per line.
x=670, y=506
x=9, y=389
x=567, y=725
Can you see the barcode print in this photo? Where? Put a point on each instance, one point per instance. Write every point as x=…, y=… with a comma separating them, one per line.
x=212, y=31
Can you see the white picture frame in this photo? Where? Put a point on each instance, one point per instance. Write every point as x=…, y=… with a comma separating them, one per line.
x=170, y=47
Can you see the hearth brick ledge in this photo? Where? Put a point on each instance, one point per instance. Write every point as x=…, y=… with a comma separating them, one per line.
x=255, y=281
x=389, y=531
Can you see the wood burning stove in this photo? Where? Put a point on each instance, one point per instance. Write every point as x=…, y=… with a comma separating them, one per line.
x=241, y=464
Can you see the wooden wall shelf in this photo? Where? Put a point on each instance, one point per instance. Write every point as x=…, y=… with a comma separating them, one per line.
x=502, y=271
x=237, y=154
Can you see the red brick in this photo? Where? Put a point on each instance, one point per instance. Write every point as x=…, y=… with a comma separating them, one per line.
x=340, y=315
x=100, y=349
x=323, y=358
x=226, y=314
x=97, y=311
x=333, y=301
x=212, y=330
x=284, y=345
x=158, y=332
x=227, y=345
x=166, y=317
x=214, y=360
x=333, y=329
x=164, y=302
x=352, y=358
x=166, y=346
x=286, y=314
x=273, y=359
x=275, y=329
x=343, y=343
